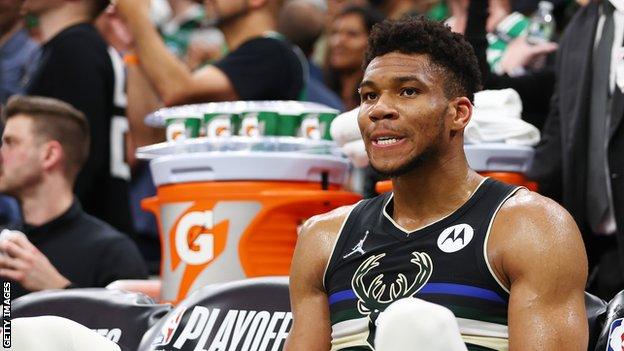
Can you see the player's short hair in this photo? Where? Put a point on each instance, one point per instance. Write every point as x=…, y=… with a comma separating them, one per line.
x=445, y=49
x=55, y=120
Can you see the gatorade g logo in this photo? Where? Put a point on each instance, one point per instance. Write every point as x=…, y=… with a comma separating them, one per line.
x=193, y=240
x=196, y=240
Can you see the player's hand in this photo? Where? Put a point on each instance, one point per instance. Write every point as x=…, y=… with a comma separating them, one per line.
x=22, y=262
x=520, y=54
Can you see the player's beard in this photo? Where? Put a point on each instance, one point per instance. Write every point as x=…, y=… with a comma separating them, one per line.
x=430, y=152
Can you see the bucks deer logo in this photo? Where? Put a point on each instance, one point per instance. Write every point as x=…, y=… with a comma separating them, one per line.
x=373, y=299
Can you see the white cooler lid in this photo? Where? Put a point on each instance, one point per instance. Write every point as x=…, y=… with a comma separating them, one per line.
x=241, y=166
x=241, y=158
x=495, y=157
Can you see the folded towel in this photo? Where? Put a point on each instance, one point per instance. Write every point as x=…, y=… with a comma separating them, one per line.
x=344, y=127
x=412, y=324
x=486, y=128
x=505, y=102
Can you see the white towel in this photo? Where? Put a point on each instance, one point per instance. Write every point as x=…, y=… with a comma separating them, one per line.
x=411, y=324
x=356, y=152
x=52, y=333
x=344, y=127
x=496, y=118
x=504, y=102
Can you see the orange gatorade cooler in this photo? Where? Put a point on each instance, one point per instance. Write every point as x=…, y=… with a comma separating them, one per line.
x=504, y=162
x=229, y=208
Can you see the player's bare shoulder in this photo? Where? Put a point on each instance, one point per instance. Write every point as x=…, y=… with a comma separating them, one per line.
x=530, y=210
x=321, y=231
x=533, y=230
x=315, y=243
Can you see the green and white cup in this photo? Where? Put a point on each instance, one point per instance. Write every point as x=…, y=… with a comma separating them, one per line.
x=259, y=123
x=319, y=118
x=182, y=128
x=218, y=125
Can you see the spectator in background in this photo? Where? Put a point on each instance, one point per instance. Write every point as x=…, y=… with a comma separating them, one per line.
x=44, y=146
x=302, y=23
x=261, y=65
x=17, y=50
x=347, y=42
x=534, y=86
x=395, y=9
x=186, y=17
x=579, y=159
x=76, y=67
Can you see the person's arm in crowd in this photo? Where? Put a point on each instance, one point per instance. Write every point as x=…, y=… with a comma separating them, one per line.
x=22, y=262
x=171, y=78
x=311, y=328
x=537, y=251
x=142, y=99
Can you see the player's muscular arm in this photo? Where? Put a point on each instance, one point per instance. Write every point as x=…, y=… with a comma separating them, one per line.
x=311, y=329
x=537, y=251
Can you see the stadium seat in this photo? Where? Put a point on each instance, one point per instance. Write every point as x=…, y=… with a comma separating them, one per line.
x=596, y=308
x=120, y=316
x=611, y=331
x=251, y=314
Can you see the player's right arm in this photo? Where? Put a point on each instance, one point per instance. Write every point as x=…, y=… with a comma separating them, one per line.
x=311, y=329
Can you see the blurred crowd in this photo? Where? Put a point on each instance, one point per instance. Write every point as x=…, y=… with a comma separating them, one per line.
x=116, y=62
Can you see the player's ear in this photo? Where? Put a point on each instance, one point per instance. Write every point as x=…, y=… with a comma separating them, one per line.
x=461, y=112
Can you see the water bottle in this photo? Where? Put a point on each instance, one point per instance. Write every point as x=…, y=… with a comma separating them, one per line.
x=542, y=25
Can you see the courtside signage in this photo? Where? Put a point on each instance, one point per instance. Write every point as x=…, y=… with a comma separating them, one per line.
x=215, y=329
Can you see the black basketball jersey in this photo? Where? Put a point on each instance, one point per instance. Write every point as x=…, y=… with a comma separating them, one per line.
x=375, y=262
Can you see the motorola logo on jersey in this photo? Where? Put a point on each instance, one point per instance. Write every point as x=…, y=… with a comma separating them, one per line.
x=455, y=238
x=616, y=336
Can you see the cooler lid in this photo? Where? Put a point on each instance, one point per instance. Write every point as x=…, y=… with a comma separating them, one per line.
x=495, y=157
x=241, y=158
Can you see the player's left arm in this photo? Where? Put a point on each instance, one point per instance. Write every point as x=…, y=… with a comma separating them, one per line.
x=538, y=249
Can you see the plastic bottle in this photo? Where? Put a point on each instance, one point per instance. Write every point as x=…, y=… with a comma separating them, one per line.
x=542, y=26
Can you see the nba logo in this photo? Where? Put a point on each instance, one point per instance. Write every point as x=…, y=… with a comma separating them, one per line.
x=616, y=336
x=169, y=328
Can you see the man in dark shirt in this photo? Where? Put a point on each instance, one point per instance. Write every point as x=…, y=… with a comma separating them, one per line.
x=44, y=145
x=75, y=66
x=261, y=64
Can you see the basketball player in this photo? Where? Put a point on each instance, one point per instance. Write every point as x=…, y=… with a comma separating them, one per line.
x=507, y=262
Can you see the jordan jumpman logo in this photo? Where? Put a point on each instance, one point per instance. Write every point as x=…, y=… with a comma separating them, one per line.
x=359, y=247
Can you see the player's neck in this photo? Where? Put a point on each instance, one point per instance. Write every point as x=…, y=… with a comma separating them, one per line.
x=432, y=191
x=253, y=25
x=55, y=21
x=43, y=203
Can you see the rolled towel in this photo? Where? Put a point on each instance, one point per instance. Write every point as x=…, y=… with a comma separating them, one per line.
x=504, y=102
x=487, y=128
x=356, y=152
x=413, y=324
x=344, y=127
x=52, y=333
